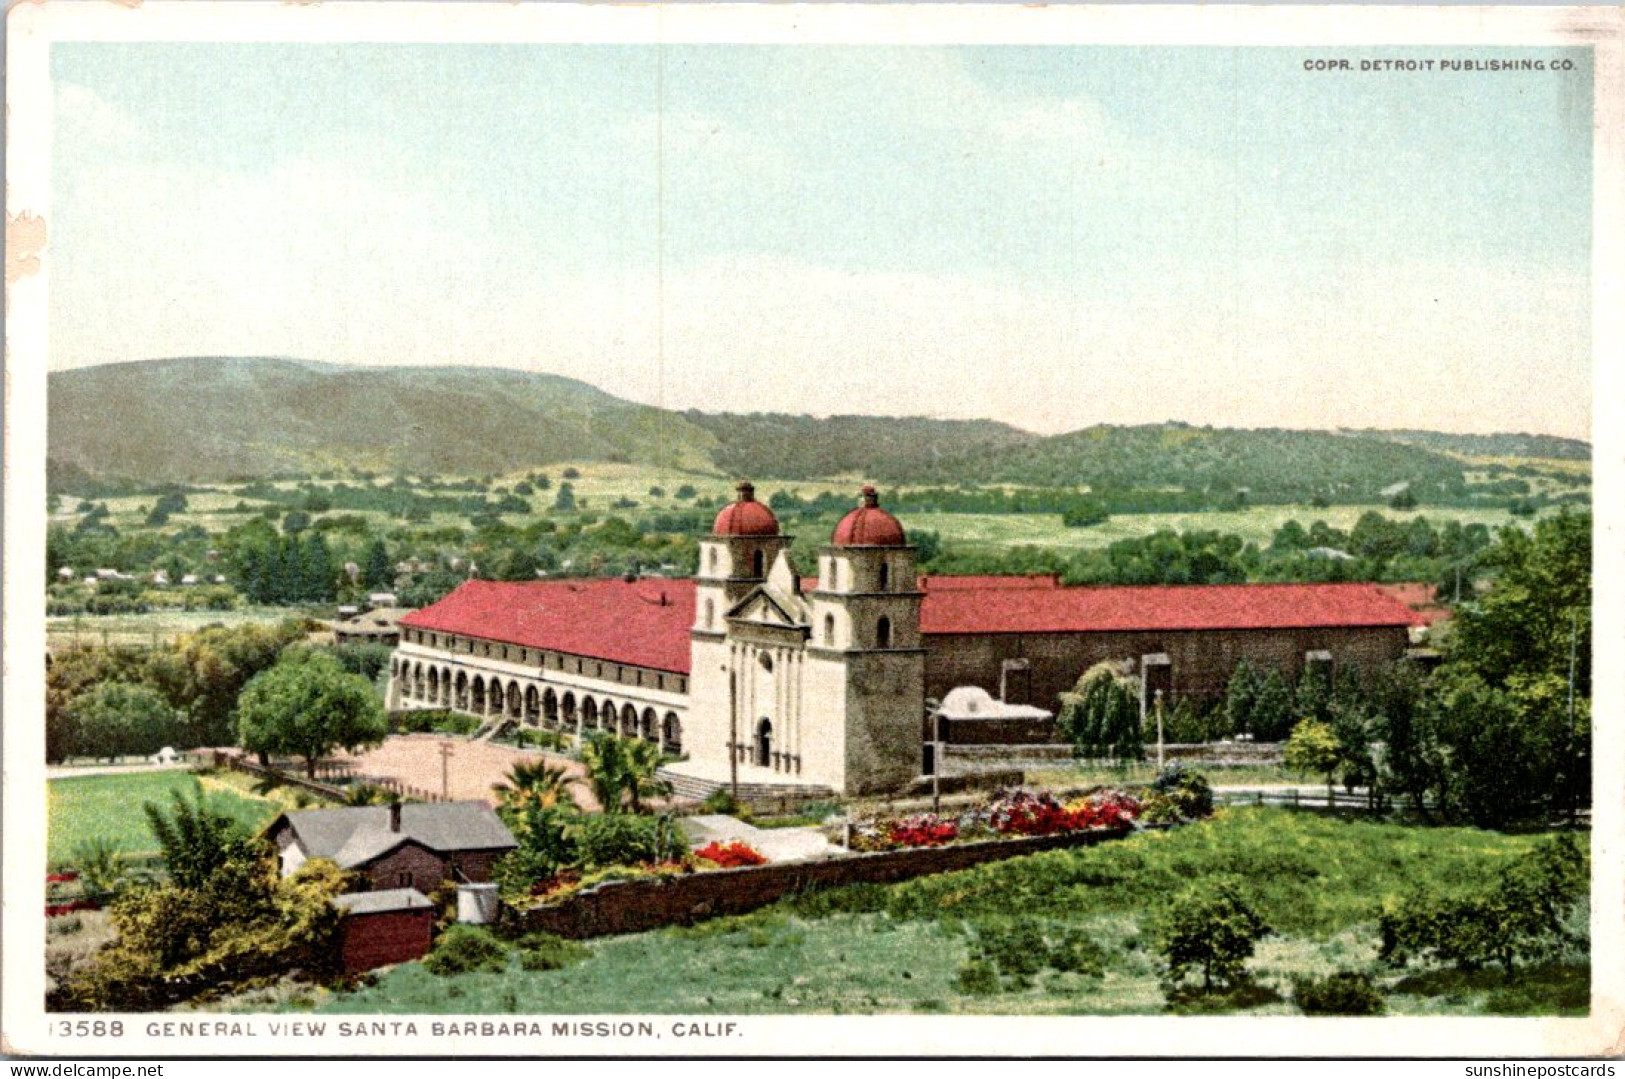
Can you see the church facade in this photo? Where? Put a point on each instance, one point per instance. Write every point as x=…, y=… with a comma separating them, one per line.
x=765, y=678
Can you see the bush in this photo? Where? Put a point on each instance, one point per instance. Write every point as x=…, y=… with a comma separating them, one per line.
x=463, y=949
x=544, y=951
x=606, y=839
x=978, y=978
x=1211, y=928
x=721, y=801
x=1347, y=992
x=1188, y=792
x=1524, y=915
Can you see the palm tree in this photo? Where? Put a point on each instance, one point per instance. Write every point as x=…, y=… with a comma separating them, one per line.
x=621, y=770
x=539, y=783
x=643, y=760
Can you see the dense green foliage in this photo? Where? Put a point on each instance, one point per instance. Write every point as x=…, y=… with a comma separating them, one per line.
x=307, y=706
x=221, y=918
x=1209, y=928
x=1345, y=992
x=465, y=948
x=117, y=719
x=1526, y=914
x=1101, y=716
x=621, y=771
x=198, y=677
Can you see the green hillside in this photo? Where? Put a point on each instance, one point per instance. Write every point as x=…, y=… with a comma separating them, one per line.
x=1548, y=447
x=802, y=447
x=1268, y=463
x=212, y=418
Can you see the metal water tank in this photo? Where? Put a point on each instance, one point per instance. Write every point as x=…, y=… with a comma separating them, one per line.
x=477, y=903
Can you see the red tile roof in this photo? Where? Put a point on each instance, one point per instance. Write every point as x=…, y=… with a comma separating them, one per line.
x=1159, y=607
x=646, y=622
x=643, y=622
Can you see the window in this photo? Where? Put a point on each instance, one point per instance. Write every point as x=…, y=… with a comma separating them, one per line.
x=829, y=629
x=710, y=613
x=711, y=559
x=403, y=880
x=885, y=577
x=756, y=564
x=766, y=661
x=883, y=633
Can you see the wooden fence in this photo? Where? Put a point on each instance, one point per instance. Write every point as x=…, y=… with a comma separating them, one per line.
x=325, y=771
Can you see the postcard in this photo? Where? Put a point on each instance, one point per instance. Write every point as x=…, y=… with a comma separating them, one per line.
x=802, y=530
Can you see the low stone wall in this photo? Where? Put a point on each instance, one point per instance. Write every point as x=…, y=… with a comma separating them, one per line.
x=634, y=906
x=1222, y=752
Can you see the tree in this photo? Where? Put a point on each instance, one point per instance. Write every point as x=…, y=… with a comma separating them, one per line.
x=1271, y=718
x=1240, y=695
x=1209, y=927
x=118, y=719
x=307, y=705
x=379, y=572
x=197, y=839
x=1101, y=716
x=621, y=772
x=540, y=783
x=1313, y=748
x=565, y=500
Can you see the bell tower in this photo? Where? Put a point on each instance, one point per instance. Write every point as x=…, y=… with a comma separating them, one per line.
x=865, y=652
x=735, y=558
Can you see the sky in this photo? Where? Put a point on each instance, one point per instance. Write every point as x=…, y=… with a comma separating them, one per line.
x=1052, y=236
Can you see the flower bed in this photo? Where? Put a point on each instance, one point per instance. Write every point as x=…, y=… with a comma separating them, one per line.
x=730, y=855
x=1009, y=813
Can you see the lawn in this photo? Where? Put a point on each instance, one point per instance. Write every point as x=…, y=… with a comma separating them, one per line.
x=109, y=806
x=900, y=949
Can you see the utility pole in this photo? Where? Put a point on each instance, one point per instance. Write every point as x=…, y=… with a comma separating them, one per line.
x=445, y=770
x=1159, y=731
x=733, y=736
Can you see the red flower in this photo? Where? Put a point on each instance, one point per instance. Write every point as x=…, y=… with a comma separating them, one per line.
x=730, y=855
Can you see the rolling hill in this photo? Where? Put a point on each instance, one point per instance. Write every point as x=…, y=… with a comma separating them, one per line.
x=204, y=419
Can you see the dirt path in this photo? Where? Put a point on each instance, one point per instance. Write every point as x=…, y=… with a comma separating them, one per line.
x=471, y=771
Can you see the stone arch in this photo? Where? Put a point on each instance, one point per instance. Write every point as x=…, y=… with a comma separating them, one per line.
x=461, y=698
x=671, y=733
x=445, y=686
x=572, y=718
x=589, y=714
x=516, y=699
x=885, y=577
x=648, y=725
x=629, y=721
x=883, y=632
x=434, y=685
x=533, y=705
x=418, y=683
x=476, y=694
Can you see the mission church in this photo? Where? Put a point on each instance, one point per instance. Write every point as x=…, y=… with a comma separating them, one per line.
x=761, y=677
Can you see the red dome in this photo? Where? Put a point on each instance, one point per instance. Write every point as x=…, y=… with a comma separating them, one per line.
x=746, y=517
x=869, y=526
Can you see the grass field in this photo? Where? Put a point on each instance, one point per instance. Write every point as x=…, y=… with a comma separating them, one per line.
x=154, y=627
x=873, y=949
x=987, y=532
x=109, y=806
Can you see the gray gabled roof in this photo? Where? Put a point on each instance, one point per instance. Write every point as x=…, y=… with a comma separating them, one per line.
x=391, y=899
x=355, y=835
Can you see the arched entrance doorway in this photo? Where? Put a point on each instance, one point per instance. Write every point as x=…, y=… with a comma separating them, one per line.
x=764, y=743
